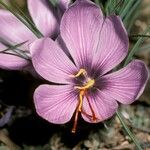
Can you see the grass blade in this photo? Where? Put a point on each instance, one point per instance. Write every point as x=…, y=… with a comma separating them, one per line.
x=97, y=2
x=37, y=34
x=131, y=11
x=128, y=131
x=14, y=48
x=132, y=21
x=126, y=9
x=16, y=7
x=145, y=47
x=11, y=47
x=136, y=45
x=139, y=35
x=53, y=2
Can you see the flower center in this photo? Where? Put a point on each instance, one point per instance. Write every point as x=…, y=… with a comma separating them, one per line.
x=83, y=93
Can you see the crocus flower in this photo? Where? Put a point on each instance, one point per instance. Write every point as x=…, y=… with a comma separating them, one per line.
x=84, y=82
x=15, y=32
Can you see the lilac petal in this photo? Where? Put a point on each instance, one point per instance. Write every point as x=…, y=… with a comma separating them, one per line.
x=63, y=4
x=2, y=47
x=12, y=62
x=79, y=28
x=103, y=105
x=55, y=103
x=113, y=45
x=62, y=45
x=51, y=62
x=14, y=31
x=127, y=84
x=43, y=17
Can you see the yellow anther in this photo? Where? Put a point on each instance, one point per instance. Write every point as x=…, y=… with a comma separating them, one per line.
x=88, y=85
x=81, y=71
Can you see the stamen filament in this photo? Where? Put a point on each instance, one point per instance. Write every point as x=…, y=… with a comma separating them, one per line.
x=75, y=122
x=82, y=92
x=79, y=108
x=93, y=113
x=87, y=115
x=81, y=99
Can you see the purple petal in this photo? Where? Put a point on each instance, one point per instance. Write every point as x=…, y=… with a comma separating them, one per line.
x=62, y=45
x=14, y=31
x=80, y=27
x=55, y=103
x=127, y=84
x=103, y=105
x=12, y=62
x=43, y=17
x=113, y=44
x=51, y=62
x=2, y=47
x=63, y=4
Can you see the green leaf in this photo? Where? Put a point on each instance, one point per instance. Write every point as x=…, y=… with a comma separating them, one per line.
x=145, y=47
x=126, y=8
x=97, y=2
x=124, y=3
x=139, y=35
x=27, y=23
x=15, y=48
x=132, y=21
x=115, y=6
x=53, y=2
x=120, y=117
x=136, y=46
x=129, y=15
x=17, y=8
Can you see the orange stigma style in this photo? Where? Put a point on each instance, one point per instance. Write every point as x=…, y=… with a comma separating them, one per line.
x=83, y=93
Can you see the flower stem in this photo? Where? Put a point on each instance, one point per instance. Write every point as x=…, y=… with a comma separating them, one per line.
x=119, y=115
